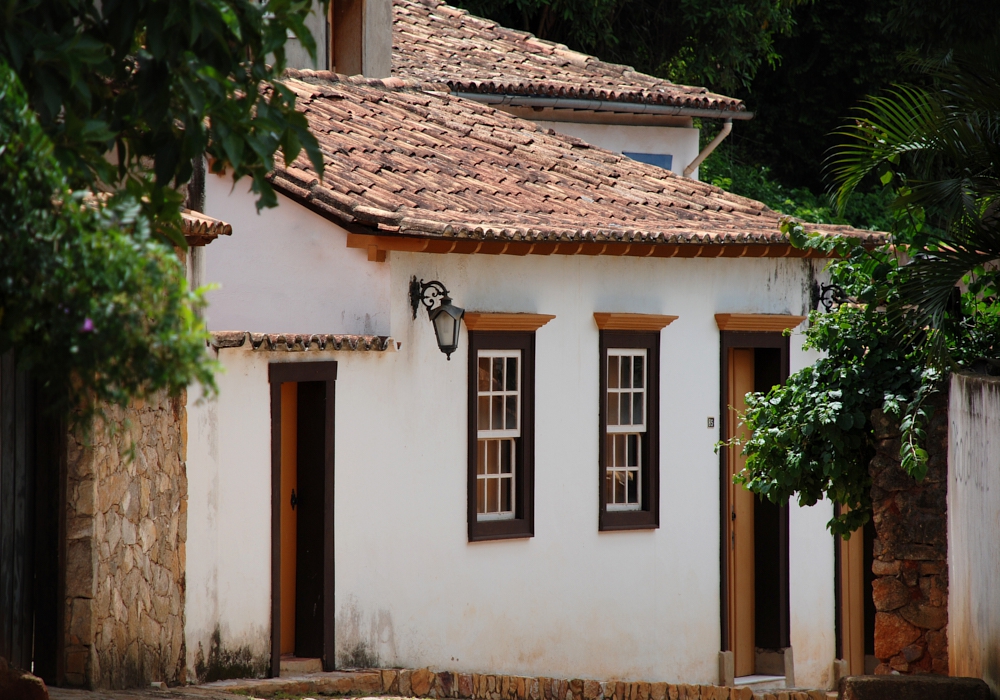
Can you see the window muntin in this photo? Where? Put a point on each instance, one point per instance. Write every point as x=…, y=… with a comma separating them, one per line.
x=626, y=424
x=626, y=390
x=498, y=426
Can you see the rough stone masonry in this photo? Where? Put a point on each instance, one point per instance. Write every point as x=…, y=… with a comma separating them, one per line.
x=126, y=527
x=910, y=590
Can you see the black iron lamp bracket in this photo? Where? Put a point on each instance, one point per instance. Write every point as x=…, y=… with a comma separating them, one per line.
x=829, y=296
x=430, y=294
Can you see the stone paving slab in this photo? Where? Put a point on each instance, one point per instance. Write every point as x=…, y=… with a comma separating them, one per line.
x=387, y=684
x=181, y=693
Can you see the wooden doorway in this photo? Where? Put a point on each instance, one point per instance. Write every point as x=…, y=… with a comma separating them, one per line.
x=302, y=473
x=855, y=605
x=32, y=503
x=755, y=531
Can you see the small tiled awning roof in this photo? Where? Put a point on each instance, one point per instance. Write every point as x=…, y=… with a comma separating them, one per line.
x=303, y=342
x=405, y=162
x=435, y=42
x=200, y=229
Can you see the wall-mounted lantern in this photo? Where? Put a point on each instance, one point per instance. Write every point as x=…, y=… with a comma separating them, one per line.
x=446, y=317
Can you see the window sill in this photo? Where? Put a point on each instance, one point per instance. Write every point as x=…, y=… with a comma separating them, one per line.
x=618, y=520
x=486, y=530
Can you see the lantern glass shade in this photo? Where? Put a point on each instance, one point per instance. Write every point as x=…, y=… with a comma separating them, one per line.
x=447, y=319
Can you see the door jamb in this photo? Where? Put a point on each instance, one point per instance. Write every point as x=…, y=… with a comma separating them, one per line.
x=278, y=373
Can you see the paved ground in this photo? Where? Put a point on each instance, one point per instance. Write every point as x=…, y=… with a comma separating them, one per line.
x=184, y=693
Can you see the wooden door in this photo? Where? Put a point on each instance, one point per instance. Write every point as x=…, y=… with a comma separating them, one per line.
x=852, y=602
x=311, y=534
x=289, y=515
x=740, y=597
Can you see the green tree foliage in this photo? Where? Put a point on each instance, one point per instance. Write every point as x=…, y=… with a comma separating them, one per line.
x=89, y=296
x=900, y=327
x=813, y=437
x=839, y=52
x=800, y=65
x=939, y=149
x=690, y=41
x=869, y=210
x=157, y=84
x=129, y=93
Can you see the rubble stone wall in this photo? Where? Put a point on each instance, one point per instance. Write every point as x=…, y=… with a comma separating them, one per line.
x=911, y=551
x=126, y=528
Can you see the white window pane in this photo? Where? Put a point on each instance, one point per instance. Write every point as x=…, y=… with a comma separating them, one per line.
x=505, y=495
x=626, y=378
x=633, y=450
x=493, y=457
x=511, y=413
x=497, y=383
x=613, y=372
x=481, y=496
x=637, y=372
x=506, y=458
x=492, y=495
x=481, y=459
x=609, y=486
x=633, y=487
x=637, y=407
x=483, y=413
x=511, y=374
x=484, y=374
x=619, y=487
x=497, y=413
x=625, y=417
x=612, y=409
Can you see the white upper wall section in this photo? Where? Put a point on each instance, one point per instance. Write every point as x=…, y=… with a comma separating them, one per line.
x=679, y=142
x=287, y=270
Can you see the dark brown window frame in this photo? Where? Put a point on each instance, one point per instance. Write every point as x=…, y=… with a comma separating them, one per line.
x=523, y=523
x=648, y=516
x=277, y=374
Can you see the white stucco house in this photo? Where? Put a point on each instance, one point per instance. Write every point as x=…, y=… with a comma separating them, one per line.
x=545, y=499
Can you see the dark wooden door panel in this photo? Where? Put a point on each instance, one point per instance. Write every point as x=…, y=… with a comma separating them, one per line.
x=311, y=521
x=30, y=453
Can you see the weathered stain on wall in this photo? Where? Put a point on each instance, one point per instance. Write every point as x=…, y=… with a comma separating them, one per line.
x=910, y=589
x=361, y=642
x=224, y=661
x=126, y=516
x=974, y=528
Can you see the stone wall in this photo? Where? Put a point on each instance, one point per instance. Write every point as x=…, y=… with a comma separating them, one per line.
x=126, y=527
x=911, y=552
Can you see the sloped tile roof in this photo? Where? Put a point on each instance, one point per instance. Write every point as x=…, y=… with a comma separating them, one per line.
x=302, y=342
x=435, y=42
x=201, y=229
x=403, y=160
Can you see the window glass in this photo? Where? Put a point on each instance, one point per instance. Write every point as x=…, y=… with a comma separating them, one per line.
x=625, y=425
x=498, y=426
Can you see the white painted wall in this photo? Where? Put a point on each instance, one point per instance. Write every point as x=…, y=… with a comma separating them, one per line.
x=287, y=270
x=974, y=528
x=680, y=142
x=229, y=516
x=569, y=602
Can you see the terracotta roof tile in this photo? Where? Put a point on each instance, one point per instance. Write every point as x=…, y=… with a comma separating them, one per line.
x=201, y=229
x=441, y=44
x=303, y=342
x=503, y=179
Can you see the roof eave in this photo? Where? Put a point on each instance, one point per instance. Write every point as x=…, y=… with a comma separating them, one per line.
x=616, y=106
